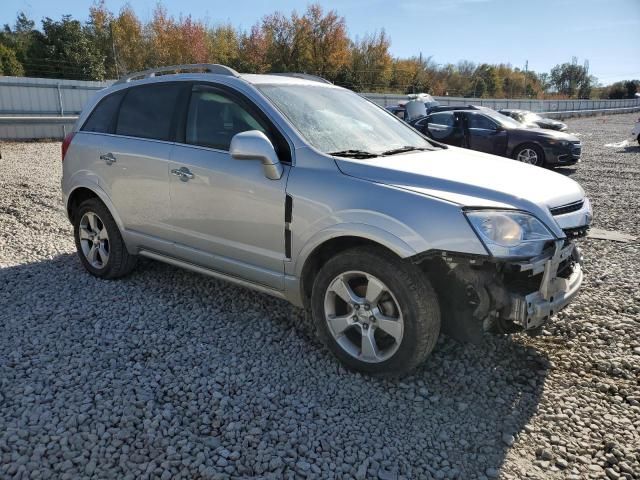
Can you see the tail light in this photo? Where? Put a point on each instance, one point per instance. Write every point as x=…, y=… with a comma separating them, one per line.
x=66, y=143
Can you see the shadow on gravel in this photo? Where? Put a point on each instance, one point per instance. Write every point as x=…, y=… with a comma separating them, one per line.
x=630, y=149
x=568, y=171
x=165, y=358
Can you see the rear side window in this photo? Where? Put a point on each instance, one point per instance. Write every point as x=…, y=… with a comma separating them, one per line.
x=103, y=117
x=480, y=121
x=441, y=125
x=148, y=111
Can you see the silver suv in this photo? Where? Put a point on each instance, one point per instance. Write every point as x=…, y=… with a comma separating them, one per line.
x=306, y=191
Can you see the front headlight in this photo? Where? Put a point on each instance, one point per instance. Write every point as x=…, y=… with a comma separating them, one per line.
x=563, y=143
x=508, y=233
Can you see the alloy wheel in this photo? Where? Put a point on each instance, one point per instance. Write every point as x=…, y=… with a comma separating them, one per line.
x=528, y=155
x=94, y=240
x=363, y=316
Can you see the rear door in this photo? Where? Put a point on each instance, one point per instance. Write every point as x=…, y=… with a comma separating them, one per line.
x=135, y=160
x=444, y=127
x=484, y=134
x=225, y=214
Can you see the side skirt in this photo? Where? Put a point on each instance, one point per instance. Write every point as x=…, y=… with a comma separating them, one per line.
x=212, y=273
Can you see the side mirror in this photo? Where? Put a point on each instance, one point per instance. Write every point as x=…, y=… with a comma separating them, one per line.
x=254, y=145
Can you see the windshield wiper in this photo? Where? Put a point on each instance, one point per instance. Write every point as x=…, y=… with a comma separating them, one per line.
x=407, y=148
x=354, y=154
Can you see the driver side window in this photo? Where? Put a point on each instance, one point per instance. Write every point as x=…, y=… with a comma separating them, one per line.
x=214, y=118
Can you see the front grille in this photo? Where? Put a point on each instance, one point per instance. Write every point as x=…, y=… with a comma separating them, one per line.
x=568, y=208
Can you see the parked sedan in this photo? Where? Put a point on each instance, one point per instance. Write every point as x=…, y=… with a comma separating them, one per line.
x=488, y=131
x=636, y=131
x=533, y=119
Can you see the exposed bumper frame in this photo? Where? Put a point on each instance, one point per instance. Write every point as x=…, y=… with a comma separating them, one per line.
x=533, y=310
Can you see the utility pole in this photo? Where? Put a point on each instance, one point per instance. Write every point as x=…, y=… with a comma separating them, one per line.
x=113, y=46
x=526, y=69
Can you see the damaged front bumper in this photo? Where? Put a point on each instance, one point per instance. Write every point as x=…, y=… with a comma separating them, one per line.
x=532, y=310
x=478, y=294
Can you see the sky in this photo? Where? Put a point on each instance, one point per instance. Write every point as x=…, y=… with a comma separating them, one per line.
x=544, y=32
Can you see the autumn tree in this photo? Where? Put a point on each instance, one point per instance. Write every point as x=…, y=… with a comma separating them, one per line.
x=326, y=41
x=129, y=43
x=371, y=62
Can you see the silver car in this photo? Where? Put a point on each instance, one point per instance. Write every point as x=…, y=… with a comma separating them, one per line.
x=306, y=191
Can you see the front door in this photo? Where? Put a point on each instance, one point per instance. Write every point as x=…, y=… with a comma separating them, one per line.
x=225, y=214
x=444, y=127
x=485, y=135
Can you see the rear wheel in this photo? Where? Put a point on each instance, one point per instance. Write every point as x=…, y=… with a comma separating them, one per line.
x=530, y=154
x=99, y=243
x=375, y=312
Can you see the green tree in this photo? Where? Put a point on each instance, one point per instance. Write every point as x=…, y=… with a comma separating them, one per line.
x=571, y=79
x=64, y=49
x=9, y=64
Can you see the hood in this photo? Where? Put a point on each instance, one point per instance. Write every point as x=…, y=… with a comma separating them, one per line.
x=545, y=133
x=550, y=122
x=469, y=178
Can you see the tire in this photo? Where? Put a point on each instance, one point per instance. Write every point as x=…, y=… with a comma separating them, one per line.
x=117, y=262
x=638, y=139
x=409, y=310
x=522, y=150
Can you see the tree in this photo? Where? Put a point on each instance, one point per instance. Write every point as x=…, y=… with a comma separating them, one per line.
x=371, y=62
x=253, y=51
x=327, y=41
x=99, y=28
x=572, y=79
x=129, y=43
x=9, y=64
x=64, y=49
x=224, y=44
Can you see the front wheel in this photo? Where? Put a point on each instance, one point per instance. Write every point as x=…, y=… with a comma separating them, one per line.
x=377, y=313
x=530, y=154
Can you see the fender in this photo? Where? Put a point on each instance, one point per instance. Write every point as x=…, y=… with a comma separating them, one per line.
x=368, y=232
x=86, y=180
x=293, y=270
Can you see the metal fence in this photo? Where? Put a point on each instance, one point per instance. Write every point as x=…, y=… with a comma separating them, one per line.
x=42, y=107
x=541, y=106
x=33, y=108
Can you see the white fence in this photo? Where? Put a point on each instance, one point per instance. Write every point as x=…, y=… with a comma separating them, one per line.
x=47, y=108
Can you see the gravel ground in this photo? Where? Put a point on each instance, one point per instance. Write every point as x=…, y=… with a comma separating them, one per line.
x=169, y=374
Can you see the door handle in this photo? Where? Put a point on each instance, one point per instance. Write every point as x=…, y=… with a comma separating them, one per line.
x=183, y=172
x=108, y=157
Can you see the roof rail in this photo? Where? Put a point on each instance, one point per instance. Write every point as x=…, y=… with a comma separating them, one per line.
x=304, y=76
x=205, y=67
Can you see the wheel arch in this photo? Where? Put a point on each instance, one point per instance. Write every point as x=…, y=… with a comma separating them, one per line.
x=84, y=192
x=313, y=257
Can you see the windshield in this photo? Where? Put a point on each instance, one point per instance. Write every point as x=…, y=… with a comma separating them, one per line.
x=335, y=120
x=501, y=119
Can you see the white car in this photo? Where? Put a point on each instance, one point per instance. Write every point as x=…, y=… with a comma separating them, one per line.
x=636, y=131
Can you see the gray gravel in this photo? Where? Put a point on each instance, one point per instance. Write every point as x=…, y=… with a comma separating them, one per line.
x=168, y=374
